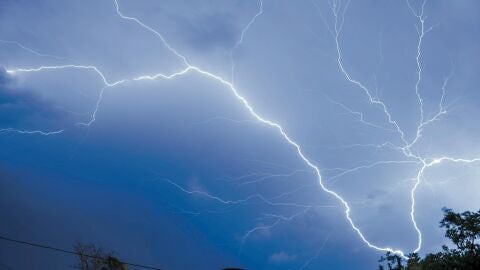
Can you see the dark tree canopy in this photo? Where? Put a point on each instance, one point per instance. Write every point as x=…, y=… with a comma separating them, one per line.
x=91, y=257
x=463, y=230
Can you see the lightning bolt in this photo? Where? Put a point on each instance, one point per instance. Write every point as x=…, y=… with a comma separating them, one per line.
x=338, y=12
x=234, y=91
x=279, y=219
x=249, y=198
x=28, y=49
x=240, y=40
x=317, y=254
x=369, y=166
x=359, y=115
x=38, y=132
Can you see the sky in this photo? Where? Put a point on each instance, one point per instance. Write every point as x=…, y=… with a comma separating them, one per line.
x=256, y=134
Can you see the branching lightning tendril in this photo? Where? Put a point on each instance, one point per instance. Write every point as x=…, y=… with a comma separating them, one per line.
x=338, y=12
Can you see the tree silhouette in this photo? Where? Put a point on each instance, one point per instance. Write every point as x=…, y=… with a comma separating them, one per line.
x=463, y=229
x=91, y=257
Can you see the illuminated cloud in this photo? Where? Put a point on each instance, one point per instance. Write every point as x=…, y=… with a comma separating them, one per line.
x=313, y=116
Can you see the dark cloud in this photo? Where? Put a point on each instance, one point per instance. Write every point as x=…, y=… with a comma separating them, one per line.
x=17, y=103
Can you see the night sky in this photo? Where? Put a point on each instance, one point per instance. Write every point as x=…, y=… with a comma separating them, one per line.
x=258, y=134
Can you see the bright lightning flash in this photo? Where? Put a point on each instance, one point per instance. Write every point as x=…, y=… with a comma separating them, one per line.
x=338, y=12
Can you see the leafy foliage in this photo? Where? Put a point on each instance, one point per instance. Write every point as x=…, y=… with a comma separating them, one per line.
x=91, y=257
x=463, y=229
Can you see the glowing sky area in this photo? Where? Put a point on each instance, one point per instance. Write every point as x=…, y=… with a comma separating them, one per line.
x=258, y=134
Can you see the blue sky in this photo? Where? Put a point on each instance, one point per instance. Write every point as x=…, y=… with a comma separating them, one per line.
x=190, y=169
